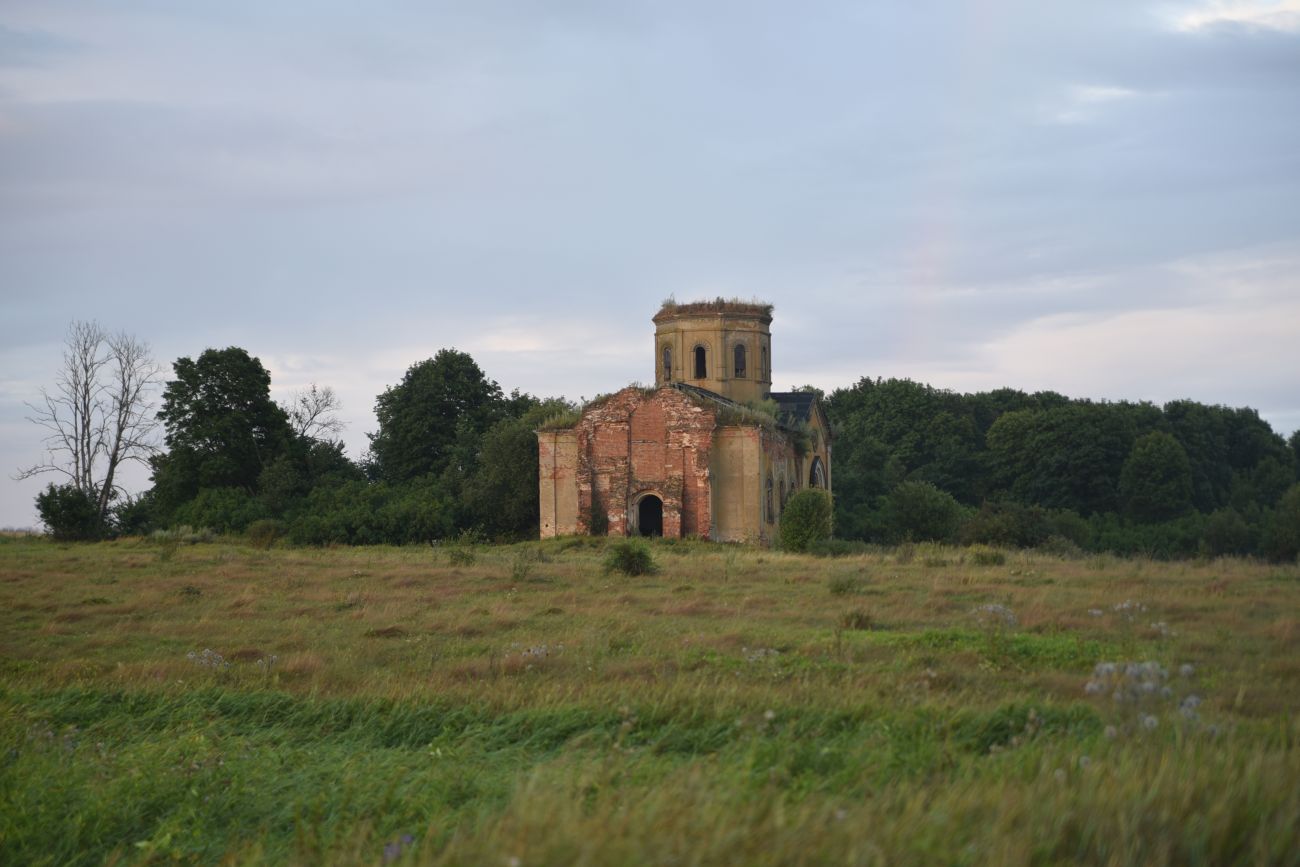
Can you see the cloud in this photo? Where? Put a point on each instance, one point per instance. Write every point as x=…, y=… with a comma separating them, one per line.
x=1280, y=15
x=1082, y=103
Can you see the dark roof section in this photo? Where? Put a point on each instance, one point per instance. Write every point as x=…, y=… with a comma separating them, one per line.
x=705, y=394
x=797, y=405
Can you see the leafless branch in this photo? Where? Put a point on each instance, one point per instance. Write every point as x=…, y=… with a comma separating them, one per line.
x=313, y=413
x=100, y=411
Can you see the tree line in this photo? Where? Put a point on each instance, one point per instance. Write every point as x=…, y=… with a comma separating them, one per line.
x=1009, y=468
x=454, y=454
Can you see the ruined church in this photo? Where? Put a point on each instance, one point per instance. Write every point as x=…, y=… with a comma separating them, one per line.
x=709, y=451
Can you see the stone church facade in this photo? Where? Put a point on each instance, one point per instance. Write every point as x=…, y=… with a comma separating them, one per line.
x=709, y=451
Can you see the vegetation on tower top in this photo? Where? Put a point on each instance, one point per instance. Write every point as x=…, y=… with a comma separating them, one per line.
x=718, y=305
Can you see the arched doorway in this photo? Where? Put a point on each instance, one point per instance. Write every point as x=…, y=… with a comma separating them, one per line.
x=650, y=516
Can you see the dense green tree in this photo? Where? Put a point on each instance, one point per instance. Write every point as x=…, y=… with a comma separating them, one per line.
x=1294, y=442
x=69, y=513
x=222, y=428
x=1065, y=457
x=431, y=420
x=1203, y=433
x=501, y=493
x=1226, y=532
x=806, y=519
x=920, y=512
x=1155, y=483
x=1282, y=538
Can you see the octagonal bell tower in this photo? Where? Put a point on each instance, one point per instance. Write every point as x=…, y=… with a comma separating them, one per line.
x=724, y=346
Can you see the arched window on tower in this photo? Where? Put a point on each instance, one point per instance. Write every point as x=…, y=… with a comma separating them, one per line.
x=767, y=502
x=668, y=364
x=738, y=358
x=701, y=363
x=763, y=370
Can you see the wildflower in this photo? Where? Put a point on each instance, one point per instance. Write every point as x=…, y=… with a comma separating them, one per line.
x=1111, y=733
x=769, y=715
x=1084, y=762
x=1186, y=670
x=1059, y=774
x=1149, y=722
x=1095, y=612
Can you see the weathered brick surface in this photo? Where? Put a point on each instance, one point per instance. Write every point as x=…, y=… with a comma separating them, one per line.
x=636, y=443
x=712, y=479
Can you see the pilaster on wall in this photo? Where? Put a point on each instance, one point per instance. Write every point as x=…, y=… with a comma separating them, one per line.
x=557, y=456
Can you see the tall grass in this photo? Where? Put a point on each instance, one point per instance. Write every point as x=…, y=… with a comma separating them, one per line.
x=523, y=706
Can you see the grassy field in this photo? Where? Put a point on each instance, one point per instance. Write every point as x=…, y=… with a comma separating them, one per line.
x=215, y=703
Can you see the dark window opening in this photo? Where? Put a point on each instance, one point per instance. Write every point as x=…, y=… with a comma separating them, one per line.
x=739, y=359
x=668, y=363
x=650, y=516
x=769, y=515
x=763, y=369
x=817, y=478
x=701, y=363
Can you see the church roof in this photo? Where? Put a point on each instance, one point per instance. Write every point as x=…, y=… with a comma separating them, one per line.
x=797, y=405
x=793, y=407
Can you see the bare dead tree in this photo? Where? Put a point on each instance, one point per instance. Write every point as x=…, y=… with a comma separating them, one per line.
x=313, y=413
x=100, y=413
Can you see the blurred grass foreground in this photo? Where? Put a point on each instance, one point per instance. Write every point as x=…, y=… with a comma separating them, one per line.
x=217, y=703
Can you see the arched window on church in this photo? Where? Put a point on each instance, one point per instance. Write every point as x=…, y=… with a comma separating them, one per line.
x=768, y=512
x=763, y=370
x=701, y=363
x=738, y=359
x=781, y=499
x=817, y=477
x=668, y=364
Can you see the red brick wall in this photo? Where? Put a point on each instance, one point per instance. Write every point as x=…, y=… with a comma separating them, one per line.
x=635, y=442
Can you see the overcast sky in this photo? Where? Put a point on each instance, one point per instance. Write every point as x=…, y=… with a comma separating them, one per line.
x=1100, y=198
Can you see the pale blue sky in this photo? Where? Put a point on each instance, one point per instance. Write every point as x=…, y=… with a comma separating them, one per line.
x=1096, y=197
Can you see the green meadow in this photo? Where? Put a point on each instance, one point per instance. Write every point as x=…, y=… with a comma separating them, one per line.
x=219, y=703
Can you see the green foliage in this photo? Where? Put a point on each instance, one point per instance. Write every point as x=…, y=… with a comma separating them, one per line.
x=501, y=495
x=1227, y=533
x=1155, y=483
x=134, y=516
x=226, y=510
x=630, y=558
x=263, y=533
x=806, y=519
x=223, y=429
x=373, y=513
x=1180, y=537
x=69, y=513
x=920, y=512
x=1282, y=539
x=1065, y=457
x=432, y=417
